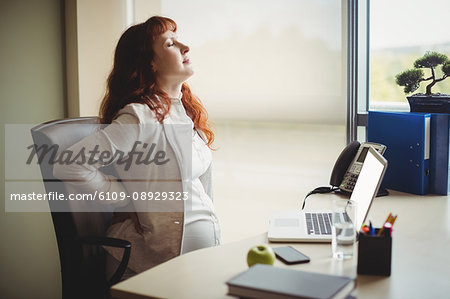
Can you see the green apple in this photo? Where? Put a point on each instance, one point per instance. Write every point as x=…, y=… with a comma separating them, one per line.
x=261, y=254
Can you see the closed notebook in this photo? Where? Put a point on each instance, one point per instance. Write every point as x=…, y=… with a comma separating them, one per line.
x=264, y=281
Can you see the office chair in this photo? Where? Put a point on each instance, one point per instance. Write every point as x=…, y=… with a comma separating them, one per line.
x=80, y=235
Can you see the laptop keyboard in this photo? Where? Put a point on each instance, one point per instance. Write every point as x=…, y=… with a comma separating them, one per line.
x=318, y=223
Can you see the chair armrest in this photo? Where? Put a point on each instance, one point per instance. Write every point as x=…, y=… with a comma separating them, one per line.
x=106, y=241
x=112, y=242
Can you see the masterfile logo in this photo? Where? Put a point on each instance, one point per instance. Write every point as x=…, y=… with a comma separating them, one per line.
x=141, y=175
x=91, y=157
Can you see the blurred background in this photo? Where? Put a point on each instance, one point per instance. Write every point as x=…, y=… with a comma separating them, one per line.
x=272, y=75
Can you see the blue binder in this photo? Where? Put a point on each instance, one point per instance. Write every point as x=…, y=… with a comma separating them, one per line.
x=439, y=155
x=407, y=138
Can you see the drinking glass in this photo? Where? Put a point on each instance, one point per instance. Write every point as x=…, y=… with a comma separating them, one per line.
x=343, y=228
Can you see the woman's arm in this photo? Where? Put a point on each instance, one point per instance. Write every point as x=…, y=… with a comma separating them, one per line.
x=97, y=150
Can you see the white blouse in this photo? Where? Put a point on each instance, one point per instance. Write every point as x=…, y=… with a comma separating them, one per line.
x=163, y=236
x=201, y=225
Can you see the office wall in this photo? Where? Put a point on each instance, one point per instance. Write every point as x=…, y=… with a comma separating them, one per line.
x=31, y=91
x=93, y=29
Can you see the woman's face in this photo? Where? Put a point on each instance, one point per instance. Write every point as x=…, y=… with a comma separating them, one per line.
x=171, y=62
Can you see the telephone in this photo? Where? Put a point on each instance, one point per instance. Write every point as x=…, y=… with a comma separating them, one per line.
x=349, y=163
x=347, y=168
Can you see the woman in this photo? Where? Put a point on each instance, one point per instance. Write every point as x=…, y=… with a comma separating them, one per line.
x=151, y=112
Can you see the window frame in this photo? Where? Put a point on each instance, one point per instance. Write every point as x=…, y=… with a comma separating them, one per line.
x=358, y=68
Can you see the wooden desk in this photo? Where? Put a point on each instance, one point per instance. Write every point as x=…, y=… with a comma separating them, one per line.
x=420, y=258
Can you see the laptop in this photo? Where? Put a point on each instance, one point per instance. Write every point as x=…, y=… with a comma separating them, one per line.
x=315, y=226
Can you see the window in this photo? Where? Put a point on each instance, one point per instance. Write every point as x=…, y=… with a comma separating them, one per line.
x=391, y=35
x=400, y=32
x=266, y=60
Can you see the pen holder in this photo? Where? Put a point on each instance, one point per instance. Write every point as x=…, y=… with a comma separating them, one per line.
x=374, y=254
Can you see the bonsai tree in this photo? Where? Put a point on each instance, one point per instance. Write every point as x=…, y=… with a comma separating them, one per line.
x=411, y=79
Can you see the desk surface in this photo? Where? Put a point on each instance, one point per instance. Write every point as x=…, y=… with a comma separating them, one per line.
x=420, y=257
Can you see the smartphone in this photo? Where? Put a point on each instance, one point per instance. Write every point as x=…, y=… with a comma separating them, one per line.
x=290, y=255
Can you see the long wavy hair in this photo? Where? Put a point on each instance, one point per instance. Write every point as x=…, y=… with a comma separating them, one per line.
x=132, y=79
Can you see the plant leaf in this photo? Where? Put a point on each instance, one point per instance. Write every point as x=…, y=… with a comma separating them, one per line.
x=430, y=60
x=410, y=79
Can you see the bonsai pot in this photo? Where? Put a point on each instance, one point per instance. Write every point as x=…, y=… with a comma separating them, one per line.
x=437, y=103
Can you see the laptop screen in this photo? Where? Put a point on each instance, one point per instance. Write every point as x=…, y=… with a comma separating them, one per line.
x=368, y=183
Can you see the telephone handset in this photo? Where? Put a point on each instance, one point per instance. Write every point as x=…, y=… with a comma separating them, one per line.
x=347, y=168
x=349, y=163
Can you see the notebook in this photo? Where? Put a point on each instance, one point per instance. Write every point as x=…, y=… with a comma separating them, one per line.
x=315, y=226
x=265, y=281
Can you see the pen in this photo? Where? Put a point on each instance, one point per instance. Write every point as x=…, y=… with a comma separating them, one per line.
x=388, y=229
x=365, y=229
x=382, y=228
x=390, y=224
x=393, y=220
x=371, y=229
x=390, y=221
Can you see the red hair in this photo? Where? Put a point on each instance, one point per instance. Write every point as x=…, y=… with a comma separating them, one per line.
x=132, y=79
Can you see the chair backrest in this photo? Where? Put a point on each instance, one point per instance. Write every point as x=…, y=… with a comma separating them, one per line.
x=75, y=258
